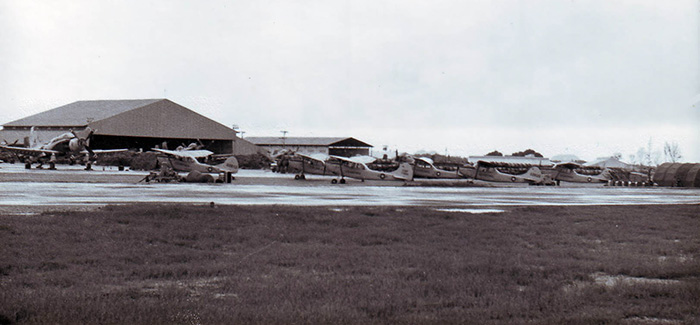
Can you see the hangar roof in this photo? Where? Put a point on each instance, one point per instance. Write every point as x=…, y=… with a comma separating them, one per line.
x=308, y=141
x=82, y=112
x=160, y=118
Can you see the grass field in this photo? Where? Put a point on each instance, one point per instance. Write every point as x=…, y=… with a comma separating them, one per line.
x=148, y=264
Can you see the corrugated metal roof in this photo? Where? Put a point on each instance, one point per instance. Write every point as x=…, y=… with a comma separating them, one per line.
x=82, y=113
x=158, y=118
x=295, y=141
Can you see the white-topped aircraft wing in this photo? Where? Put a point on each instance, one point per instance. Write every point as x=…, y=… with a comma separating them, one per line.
x=317, y=157
x=28, y=151
x=185, y=153
x=570, y=165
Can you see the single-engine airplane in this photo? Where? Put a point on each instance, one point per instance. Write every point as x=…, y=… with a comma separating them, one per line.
x=575, y=173
x=188, y=160
x=67, y=144
x=346, y=167
x=304, y=164
x=507, y=173
x=424, y=167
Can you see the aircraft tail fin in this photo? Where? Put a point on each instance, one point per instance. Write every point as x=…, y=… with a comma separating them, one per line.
x=230, y=165
x=33, y=139
x=534, y=174
x=404, y=172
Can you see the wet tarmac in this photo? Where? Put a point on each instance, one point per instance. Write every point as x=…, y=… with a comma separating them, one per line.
x=75, y=187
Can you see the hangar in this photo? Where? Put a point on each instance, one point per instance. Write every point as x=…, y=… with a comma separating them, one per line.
x=346, y=147
x=139, y=124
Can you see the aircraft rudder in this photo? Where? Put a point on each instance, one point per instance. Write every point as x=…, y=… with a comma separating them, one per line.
x=231, y=164
x=405, y=171
x=534, y=173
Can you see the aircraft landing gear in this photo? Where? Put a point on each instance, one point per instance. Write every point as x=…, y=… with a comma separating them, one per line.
x=335, y=181
x=27, y=165
x=52, y=165
x=300, y=177
x=342, y=181
x=88, y=166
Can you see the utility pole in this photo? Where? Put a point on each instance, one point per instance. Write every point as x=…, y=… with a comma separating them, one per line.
x=284, y=138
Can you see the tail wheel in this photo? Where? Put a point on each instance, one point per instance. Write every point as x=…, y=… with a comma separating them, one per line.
x=382, y=176
x=296, y=177
x=438, y=174
x=513, y=179
x=334, y=181
x=589, y=179
x=210, y=169
x=342, y=181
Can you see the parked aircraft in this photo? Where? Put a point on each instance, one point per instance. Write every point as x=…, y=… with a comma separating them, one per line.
x=346, y=167
x=424, y=167
x=68, y=144
x=573, y=172
x=509, y=173
x=304, y=164
x=189, y=160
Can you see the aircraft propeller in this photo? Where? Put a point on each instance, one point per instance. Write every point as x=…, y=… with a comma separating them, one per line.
x=85, y=142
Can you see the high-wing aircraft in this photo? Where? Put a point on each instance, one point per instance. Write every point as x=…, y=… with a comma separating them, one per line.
x=424, y=167
x=304, y=164
x=575, y=173
x=346, y=167
x=508, y=173
x=68, y=144
x=188, y=160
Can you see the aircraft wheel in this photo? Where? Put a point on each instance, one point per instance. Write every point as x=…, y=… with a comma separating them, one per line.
x=52, y=165
x=382, y=176
x=334, y=181
x=512, y=179
x=342, y=181
x=297, y=177
x=589, y=179
x=303, y=177
x=210, y=169
x=438, y=174
x=28, y=166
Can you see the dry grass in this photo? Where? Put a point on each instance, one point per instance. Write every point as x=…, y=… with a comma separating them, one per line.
x=148, y=264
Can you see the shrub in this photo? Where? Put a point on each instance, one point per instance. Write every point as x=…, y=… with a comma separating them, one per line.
x=144, y=161
x=254, y=161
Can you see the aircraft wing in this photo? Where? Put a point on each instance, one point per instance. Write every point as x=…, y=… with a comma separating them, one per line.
x=28, y=151
x=309, y=157
x=425, y=159
x=186, y=153
x=101, y=151
x=342, y=158
x=570, y=165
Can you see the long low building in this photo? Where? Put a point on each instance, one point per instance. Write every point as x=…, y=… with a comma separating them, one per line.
x=678, y=175
x=139, y=124
x=346, y=147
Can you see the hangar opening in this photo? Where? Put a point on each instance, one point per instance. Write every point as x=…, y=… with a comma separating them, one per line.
x=139, y=124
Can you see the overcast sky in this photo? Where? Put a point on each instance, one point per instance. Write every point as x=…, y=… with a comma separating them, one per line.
x=590, y=78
